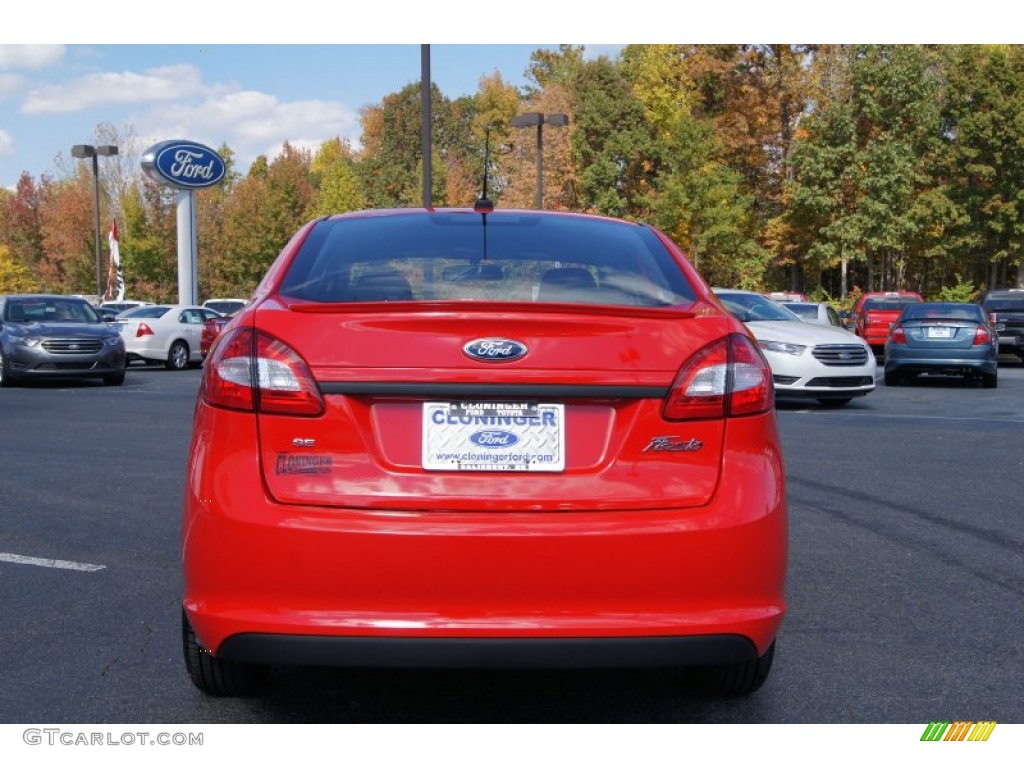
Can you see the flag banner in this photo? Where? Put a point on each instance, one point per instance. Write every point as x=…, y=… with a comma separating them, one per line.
x=115, y=277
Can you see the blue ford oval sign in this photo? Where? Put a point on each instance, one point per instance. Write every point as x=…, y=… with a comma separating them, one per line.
x=493, y=438
x=183, y=164
x=494, y=350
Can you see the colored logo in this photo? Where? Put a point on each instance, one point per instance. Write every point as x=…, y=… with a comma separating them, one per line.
x=494, y=350
x=493, y=438
x=183, y=164
x=959, y=731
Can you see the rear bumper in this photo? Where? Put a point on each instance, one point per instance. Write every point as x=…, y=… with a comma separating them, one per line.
x=289, y=583
x=495, y=653
x=900, y=359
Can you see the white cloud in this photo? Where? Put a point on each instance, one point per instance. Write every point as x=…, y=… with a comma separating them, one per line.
x=10, y=84
x=30, y=56
x=6, y=143
x=159, y=84
x=252, y=123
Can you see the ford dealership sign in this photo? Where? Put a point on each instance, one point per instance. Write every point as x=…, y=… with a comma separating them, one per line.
x=183, y=164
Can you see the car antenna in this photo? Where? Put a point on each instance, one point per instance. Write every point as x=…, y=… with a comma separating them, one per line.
x=483, y=204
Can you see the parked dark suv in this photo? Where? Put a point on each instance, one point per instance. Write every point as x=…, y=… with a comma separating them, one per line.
x=44, y=336
x=1005, y=309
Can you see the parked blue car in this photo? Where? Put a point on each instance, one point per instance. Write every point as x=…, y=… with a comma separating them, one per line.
x=942, y=337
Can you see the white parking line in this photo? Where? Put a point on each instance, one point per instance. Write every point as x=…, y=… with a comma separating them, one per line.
x=68, y=565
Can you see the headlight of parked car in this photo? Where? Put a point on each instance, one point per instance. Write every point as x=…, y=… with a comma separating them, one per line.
x=26, y=341
x=114, y=341
x=782, y=346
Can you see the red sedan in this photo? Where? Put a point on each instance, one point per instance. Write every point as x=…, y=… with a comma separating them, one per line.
x=460, y=439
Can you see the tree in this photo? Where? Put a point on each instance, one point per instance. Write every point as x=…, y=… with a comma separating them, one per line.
x=14, y=276
x=338, y=186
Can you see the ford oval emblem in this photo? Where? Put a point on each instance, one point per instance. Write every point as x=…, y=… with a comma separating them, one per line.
x=493, y=438
x=494, y=350
x=183, y=164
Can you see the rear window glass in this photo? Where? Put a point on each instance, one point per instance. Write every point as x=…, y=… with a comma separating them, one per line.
x=890, y=303
x=944, y=312
x=515, y=257
x=804, y=310
x=152, y=312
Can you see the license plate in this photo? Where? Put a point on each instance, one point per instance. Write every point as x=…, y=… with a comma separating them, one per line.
x=939, y=332
x=494, y=437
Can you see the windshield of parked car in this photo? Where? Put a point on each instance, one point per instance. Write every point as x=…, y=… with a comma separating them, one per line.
x=970, y=312
x=224, y=307
x=1004, y=305
x=516, y=256
x=151, y=312
x=750, y=307
x=32, y=310
x=809, y=311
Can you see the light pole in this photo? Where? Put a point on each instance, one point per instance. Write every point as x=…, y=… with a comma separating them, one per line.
x=82, y=151
x=527, y=119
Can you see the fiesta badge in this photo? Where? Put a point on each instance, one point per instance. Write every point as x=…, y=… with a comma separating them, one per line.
x=183, y=164
x=494, y=350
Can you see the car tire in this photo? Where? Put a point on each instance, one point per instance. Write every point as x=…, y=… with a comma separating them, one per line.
x=6, y=379
x=990, y=380
x=737, y=679
x=217, y=677
x=892, y=379
x=177, y=356
x=114, y=380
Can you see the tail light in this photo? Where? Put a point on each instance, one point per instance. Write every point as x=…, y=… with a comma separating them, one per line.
x=982, y=336
x=898, y=335
x=727, y=378
x=143, y=330
x=252, y=371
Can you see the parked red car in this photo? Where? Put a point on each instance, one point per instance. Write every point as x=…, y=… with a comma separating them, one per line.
x=211, y=330
x=464, y=439
x=876, y=312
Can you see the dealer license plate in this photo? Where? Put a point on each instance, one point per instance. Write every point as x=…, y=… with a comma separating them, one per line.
x=939, y=332
x=494, y=437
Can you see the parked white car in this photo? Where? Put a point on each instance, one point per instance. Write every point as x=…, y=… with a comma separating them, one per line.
x=808, y=360
x=225, y=306
x=167, y=333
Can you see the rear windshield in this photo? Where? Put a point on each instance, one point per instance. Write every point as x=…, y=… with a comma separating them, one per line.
x=970, y=312
x=517, y=257
x=890, y=304
x=151, y=312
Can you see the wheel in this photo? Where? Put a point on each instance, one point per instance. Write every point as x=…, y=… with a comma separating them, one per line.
x=990, y=380
x=6, y=379
x=738, y=679
x=892, y=379
x=114, y=380
x=177, y=356
x=214, y=676
x=834, y=402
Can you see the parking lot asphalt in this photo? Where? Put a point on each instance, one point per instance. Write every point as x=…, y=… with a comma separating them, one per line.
x=905, y=587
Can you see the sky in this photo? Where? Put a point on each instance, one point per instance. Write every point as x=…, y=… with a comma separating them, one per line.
x=302, y=71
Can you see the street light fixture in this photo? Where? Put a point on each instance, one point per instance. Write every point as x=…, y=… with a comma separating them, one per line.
x=82, y=151
x=528, y=119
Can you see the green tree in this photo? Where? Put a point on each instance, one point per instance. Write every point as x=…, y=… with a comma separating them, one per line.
x=14, y=276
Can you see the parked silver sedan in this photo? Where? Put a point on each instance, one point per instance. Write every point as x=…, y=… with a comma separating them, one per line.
x=48, y=336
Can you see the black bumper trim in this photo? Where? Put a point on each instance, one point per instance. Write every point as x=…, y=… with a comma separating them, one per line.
x=472, y=390
x=487, y=653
